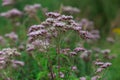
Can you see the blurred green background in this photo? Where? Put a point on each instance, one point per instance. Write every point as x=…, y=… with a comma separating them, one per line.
x=102, y=12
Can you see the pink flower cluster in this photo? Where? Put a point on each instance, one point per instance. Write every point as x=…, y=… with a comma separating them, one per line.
x=7, y=2
x=13, y=36
x=13, y=13
x=55, y=25
x=70, y=9
x=32, y=9
x=7, y=58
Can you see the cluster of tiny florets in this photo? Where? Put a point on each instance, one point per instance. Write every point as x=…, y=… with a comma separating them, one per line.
x=7, y=58
x=7, y=2
x=54, y=25
x=102, y=65
x=32, y=9
x=13, y=13
x=70, y=9
x=13, y=36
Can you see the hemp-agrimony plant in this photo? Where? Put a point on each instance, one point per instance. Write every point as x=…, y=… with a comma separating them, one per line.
x=8, y=63
x=50, y=34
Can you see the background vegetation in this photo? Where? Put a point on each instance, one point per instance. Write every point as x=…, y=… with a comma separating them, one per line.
x=104, y=13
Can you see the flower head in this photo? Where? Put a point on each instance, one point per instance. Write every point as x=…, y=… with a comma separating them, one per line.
x=7, y=2
x=12, y=13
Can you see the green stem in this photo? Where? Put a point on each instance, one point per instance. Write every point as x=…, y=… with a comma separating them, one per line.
x=37, y=19
x=60, y=10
